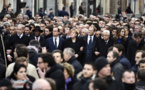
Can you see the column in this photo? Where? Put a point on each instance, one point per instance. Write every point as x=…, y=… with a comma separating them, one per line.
x=113, y=6
x=136, y=6
x=1, y=5
x=51, y=4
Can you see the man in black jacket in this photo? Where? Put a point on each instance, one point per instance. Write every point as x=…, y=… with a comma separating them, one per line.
x=48, y=68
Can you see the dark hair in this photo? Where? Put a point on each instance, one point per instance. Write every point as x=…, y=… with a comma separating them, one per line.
x=47, y=58
x=91, y=63
x=17, y=67
x=50, y=28
x=58, y=51
x=120, y=47
x=128, y=70
x=28, y=26
x=34, y=43
x=115, y=54
x=141, y=61
x=137, y=34
x=100, y=84
x=21, y=50
x=143, y=53
x=141, y=74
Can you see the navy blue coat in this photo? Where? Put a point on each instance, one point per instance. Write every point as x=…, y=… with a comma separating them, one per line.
x=63, y=13
x=50, y=45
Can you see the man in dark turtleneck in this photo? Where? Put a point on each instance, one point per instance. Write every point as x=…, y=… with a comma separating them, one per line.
x=128, y=79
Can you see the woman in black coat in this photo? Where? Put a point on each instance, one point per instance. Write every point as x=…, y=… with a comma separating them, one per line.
x=75, y=43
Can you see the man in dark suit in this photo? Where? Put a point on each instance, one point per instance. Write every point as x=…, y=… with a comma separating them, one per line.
x=28, y=12
x=37, y=31
x=104, y=43
x=63, y=13
x=90, y=47
x=18, y=38
x=54, y=42
x=71, y=9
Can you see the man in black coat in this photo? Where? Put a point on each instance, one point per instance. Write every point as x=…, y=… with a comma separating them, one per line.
x=104, y=43
x=71, y=9
x=69, y=56
x=136, y=44
x=63, y=13
x=48, y=68
x=28, y=12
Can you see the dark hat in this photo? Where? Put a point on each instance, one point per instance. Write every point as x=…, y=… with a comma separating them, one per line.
x=50, y=9
x=27, y=7
x=100, y=63
x=5, y=82
x=37, y=28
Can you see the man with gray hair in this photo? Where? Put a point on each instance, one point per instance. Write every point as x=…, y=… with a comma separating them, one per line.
x=84, y=32
x=104, y=43
x=41, y=84
x=69, y=56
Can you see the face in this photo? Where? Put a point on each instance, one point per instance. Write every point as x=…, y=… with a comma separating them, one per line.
x=122, y=33
x=67, y=30
x=138, y=39
x=19, y=30
x=138, y=28
x=40, y=63
x=91, y=86
x=12, y=30
x=42, y=26
x=65, y=56
x=83, y=33
x=55, y=32
x=91, y=31
x=105, y=71
x=142, y=66
x=110, y=57
x=66, y=75
x=129, y=78
x=3, y=88
x=73, y=34
x=27, y=31
x=57, y=57
x=37, y=33
x=138, y=57
x=98, y=33
x=114, y=32
x=47, y=32
x=21, y=74
x=105, y=36
x=88, y=71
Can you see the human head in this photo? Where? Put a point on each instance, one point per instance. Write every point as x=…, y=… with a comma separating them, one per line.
x=58, y=56
x=141, y=75
x=112, y=56
x=141, y=64
x=27, y=30
x=103, y=68
x=20, y=29
x=106, y=35
x=48, y=30
x=91, y=30
x=138, y=28
x=128, y=77
x=34, y=43
x=137, y=36
x=140, y=54
x=84, y=32
x=4, y=84
x=19, y=72
x=89, y=70
x=22, y=60
x=119, y=48
x=98, y=84
x=52, y=83
x=45, y=60
x=68, y=70
x=74, y=33
x=68, y=53
x=41, y=84
x=55, y=32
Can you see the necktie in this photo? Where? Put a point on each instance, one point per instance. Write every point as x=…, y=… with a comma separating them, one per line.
x=90, y=42
x=37, y=38
x=55, y=43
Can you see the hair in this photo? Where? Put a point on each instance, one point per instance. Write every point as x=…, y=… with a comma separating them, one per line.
x=120, y=47
x=34, y=43
x=21, y=25
x=106, y=31
x=137, y=34
x=58, y=51
x=69, y=51
x=92, y=64
x=99, y=84
x=21, y=59
x=141, y=61
x=47, y=58
x=85, y=30
x=141, y=74
x=17, y=67
x=69, y=68
x=143, y=53
x=115, y=54
x=21, y=50
x=129, y=70
x=50, y=28
x=117, y=36
x=28, y=26
x=52, y=83
x=75, y=30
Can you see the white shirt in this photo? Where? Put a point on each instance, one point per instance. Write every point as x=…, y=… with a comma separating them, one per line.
x=57, y=40
x=38, y=38
x=88, y=39
x=20, y=36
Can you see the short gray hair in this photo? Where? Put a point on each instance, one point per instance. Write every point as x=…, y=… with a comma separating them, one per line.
x=106, y=31
x=70, y=51
x=21, y=26
x=86, y=30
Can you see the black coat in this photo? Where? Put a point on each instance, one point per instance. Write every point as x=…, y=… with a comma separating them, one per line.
x=33, y=57
x=2, y=71
x=132, y=48
x=103, y=47
x=77, y=66
x=63, y=13
x=140, y=85
x=57, y=75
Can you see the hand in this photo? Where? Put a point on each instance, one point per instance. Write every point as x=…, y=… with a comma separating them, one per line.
x=97, y=53
x=9, y=51
x=9, y=58
x=76, y=55
x=44, y=50
x=81, y=48
x=41, y=73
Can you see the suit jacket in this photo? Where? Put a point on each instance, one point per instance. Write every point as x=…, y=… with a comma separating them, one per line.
x=50, y=45
x=93, y=48
x=41, y=41
x=103, y=47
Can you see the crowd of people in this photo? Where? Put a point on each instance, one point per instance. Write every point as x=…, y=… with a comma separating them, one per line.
x=48, y=52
